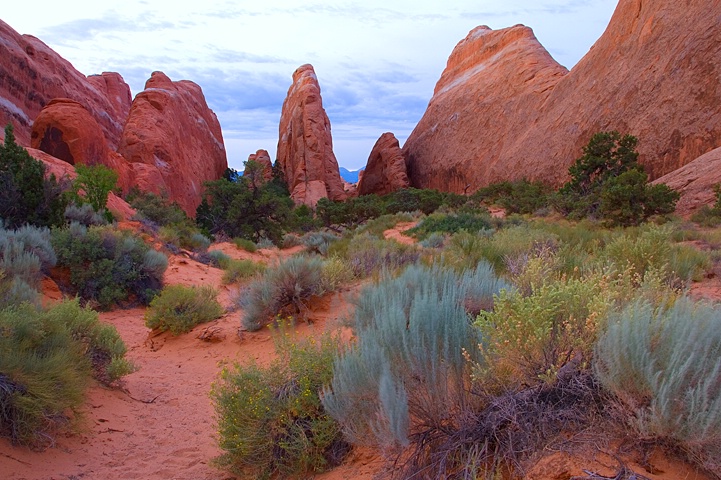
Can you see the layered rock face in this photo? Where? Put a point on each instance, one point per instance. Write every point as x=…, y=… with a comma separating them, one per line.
x=173, y=141
x=32, y=74
x=695, y=181
x=385, y=171
x=504, y=109
x=305, y=145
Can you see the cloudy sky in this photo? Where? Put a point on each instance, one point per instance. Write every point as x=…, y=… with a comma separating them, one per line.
x=377, y=61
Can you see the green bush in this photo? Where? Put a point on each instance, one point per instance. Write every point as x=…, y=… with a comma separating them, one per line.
x=318, y=242
x=664, y=364
x=183, y=235
x=26, y=196
x=219, y=259
x=179, y=308
x=237, y=270
x=46, y=360
x=451, y=223
x=95, y=182
x=284, y=289
x=520, y=196
x=271, y=422
x=108, y=266
x=607, y=182
x=406, y=379
x=156, y=208
x=245, y=244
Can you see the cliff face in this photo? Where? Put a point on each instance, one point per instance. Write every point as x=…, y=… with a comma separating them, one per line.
x=173, y=141
x=503, y=109
x=32, y=74
x=305, y=146
x=386, y=168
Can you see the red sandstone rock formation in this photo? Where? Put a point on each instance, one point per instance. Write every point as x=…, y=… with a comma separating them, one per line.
x=385, y=171
x=695, y=181
x=504, y=109
x=262, y=157
x=114, y=88
x=305, y=145
x=173, y=141
x=32, y=74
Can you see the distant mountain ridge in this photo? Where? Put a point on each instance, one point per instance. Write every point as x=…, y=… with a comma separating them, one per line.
x=350, y=176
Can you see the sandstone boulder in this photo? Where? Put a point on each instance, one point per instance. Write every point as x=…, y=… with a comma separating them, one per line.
x=32, y=74
x=114, y=88
x=695, y=181
x=385, y=171
x=262, y=157
x=305, y=145
x=504, y=109
x=173, y=141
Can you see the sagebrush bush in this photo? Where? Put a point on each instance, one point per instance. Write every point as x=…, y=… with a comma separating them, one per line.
x=25, y=254
x=85, y=214
x=451, y=223
x=367, y=254
x=46, y=360
x=434, y=240
x=406, y=379
x=284, y=289
x=335, y=273
x=237, y=270
x=265, y=242
x=179, y=308
x=664, y=364
x=219, y=259
x=291, y=240
x=318, y=242
x=271, y=422
x=183, y=235
x=245, y=244
x=107, y=265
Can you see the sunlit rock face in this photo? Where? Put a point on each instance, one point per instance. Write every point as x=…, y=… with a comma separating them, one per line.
x=305, y=145
x=173, y=141
x=385, y=171
x=32, y=74
x=504, y=109
x=695, y=181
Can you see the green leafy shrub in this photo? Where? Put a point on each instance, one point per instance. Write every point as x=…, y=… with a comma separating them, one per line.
x=520, y=196
x=237, y=270
x=156, y=209
x=107, y=265
x=406, y=379
x=46, y=360
x=284, y=289
x=95, y=182
x=245, y=244
x=271, y=422
x=608, y=182
x=664, y=364
x=26, y=196
x=179, y=308
x=451, y=223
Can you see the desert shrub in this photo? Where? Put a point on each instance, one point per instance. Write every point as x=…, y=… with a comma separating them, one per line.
x=156, y=208
x=607, y=182
x=245, y=244
x=271, y=422
x=451, y=223
x=85, y=214
x=237, y=270
x=26, y=196
x=284, y=289
x=108, y=266
x=219, y=259
x=318, y=242
x=335, y=273
x=291, y=240
x=179, y=308
x=183, y=235
x=367, y=254
x=265, y=242
x=664, y=365
x=377, y=226
x=434, y=240
x=25, y=254
x=520, y=196
x=95, y=182
x=46, y=360
x=406, y=379
x=243, y=207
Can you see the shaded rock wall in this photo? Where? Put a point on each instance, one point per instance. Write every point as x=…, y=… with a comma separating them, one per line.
x=385, y=171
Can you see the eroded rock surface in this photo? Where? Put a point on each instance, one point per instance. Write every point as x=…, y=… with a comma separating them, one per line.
x=504, y=109
x=173, y=141
x=262, y=157
x=305, y=145
x=695, y=181
x=385, y=171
